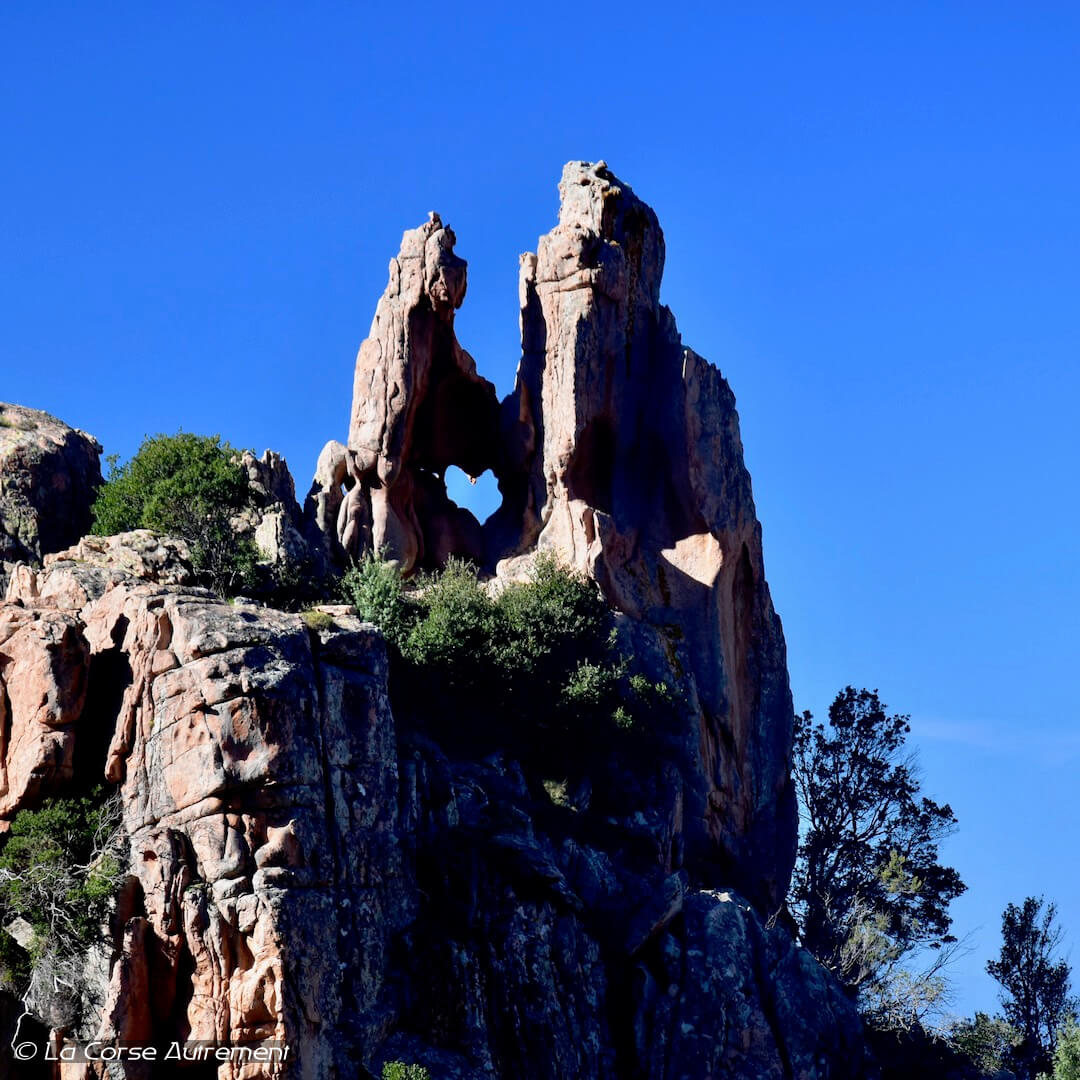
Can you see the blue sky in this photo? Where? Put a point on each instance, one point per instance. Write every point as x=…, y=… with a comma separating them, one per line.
x=872, y=227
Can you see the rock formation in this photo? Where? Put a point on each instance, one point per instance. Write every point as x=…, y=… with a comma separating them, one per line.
x=301, y=872
x=619, y=450
x=309, y=864
x=48, y=475
x=258, y=770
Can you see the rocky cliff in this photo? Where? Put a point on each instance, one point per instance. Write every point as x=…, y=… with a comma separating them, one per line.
x=308, y=863
x=619, y=450
x=48, y=475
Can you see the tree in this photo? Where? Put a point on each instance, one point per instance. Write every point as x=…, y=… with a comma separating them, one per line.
x=1067, y=1052
x=987, y=1041
x=60, y=867
x=189, y=486
x=868, y=890
x=1035, y=985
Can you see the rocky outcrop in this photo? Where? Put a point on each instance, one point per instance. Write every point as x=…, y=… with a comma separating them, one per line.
x=636, y=475
x=258, y=767
x=49, y=473
x=43, y=669
x=302, y=871
x=308, y=864
x=727, y=996
x=418, y=406
x=292, y=550
x=619, y=450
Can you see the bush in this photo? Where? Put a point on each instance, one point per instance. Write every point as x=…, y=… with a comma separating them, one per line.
x=60, y=868
x=534, y=669
x=398, y=1070
x=456, y=636
x=189, y=486
x=317, y=620
x=986, y=1041
x=375, y=589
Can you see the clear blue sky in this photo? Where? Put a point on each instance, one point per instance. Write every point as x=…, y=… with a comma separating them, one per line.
x=873, y=228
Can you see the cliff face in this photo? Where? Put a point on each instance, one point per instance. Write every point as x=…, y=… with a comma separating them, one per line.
x=619, y=450
x=307, y=865
x=258, y=769
x=299, y=870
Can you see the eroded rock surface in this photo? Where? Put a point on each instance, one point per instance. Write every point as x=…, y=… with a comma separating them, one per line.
x=289, y=545
x=307, y=865
x=258, y=765
x=44, y=664
x=619, y=450
x=49, y=473
x=418, y=407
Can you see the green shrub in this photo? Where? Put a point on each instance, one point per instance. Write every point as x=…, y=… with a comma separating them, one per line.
x=375, y=589
x=60, y=868
x=590, y=685
x=553, y=617
x=189, y=486
x=317, y=620
x=534, y=668
x=398, y=1070
x=454, y=640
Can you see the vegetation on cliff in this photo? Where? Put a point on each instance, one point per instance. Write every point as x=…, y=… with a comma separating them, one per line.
x=60, y=868
x=534, y=667
x=189, y=486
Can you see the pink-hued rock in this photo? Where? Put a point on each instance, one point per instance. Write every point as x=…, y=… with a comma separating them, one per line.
x=636, y=477
x=258, y=768
x=418, y=406
x=619, y=451
x=44, y=663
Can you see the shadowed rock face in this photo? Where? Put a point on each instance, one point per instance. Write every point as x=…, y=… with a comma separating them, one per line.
x=619, y=450
x=303, y=868
x=49, y=474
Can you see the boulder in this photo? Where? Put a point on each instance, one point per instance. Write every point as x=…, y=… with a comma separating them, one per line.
x=49, y=474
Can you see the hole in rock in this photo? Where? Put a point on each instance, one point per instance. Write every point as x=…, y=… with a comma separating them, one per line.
x=110, y=675
x=480, y=496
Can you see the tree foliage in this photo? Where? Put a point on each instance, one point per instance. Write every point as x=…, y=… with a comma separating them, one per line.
x=869, y=890
x=1067, y=1052
x=189, y=486
x=987, y=1041
x=60, y=868
x=398, y=1070
x=1034, y=982
x=542, y=653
